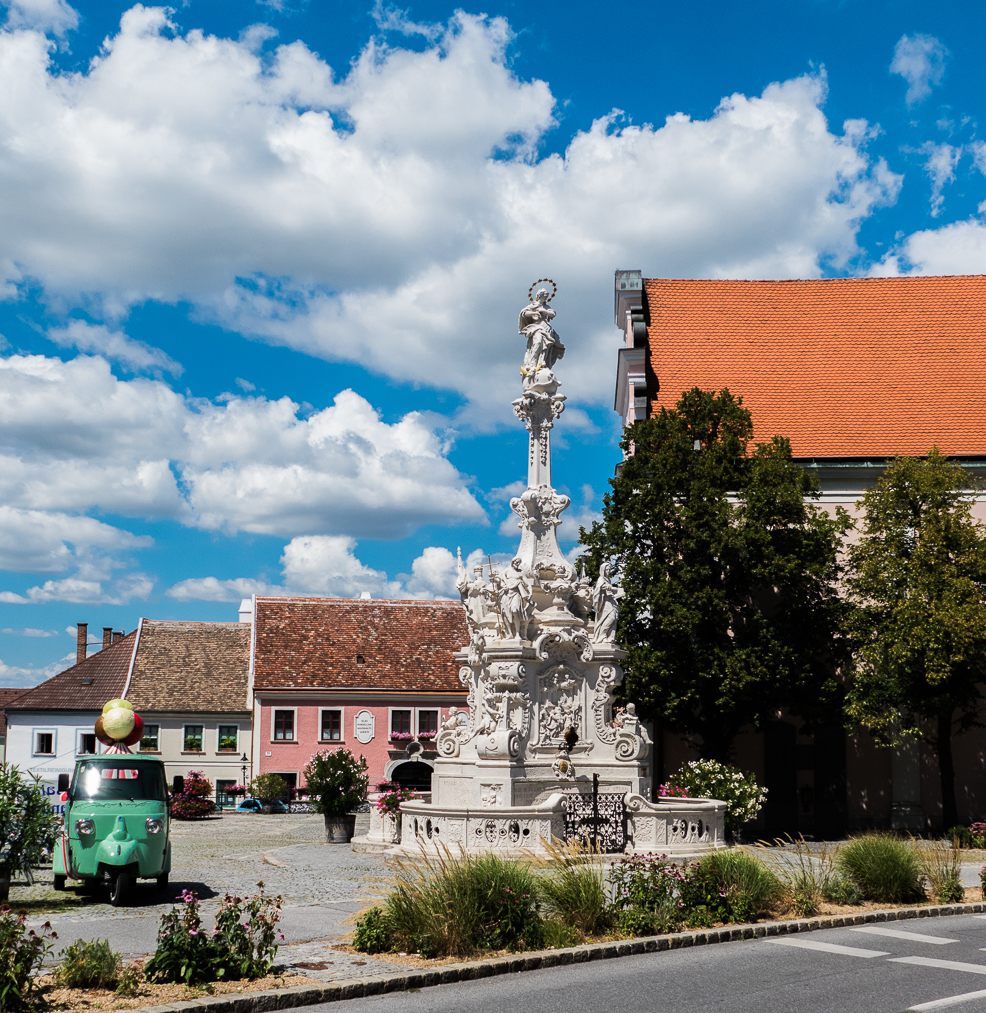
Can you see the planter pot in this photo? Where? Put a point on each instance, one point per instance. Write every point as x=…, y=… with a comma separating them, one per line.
x=340, y=829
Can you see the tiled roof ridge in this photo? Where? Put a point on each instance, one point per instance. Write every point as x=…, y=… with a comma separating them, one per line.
x=815, y=281
x=442, y=602
x=193, y=622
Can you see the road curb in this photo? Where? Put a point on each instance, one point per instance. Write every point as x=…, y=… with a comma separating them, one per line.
x=358, y=988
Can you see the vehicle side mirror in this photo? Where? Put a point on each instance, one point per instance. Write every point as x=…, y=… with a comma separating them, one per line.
x=178, y=786
x=62, y=782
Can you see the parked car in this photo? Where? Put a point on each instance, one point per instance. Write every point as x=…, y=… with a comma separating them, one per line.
x=254, y=805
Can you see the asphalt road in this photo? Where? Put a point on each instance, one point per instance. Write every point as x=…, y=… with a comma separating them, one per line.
x=910, y=965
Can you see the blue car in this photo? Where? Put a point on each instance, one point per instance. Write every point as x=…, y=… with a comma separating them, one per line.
x=254, y=805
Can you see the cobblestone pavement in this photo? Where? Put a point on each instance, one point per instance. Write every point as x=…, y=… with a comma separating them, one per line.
x=322, y=885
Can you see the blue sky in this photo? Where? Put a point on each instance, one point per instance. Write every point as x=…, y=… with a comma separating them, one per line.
x=261, y=262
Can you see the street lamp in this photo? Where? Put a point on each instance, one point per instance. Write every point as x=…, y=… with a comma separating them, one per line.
x=243, y=766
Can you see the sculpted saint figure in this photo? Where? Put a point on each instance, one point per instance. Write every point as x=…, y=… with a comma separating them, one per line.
x=605, y=600
x=544, y=347
x=475, y=595
x=515, y=595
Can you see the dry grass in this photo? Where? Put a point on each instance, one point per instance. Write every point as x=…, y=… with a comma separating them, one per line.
x=95, y=1000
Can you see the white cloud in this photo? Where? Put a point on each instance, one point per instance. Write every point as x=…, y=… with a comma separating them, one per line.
x=12, y=675
x=402, y=206
x=81, y=591
x=213, y=589
x=136, y=356
x=31, y=633
x=245, y=385
x=54, y=16
x=940, y=167
x=920, y=60
x=137, y=447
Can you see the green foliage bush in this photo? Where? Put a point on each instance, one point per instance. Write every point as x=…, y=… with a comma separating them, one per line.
x=88, y=963
x=268, y=787
x=711, y=779
x=336, y=781
x=751, y=888
x=454, y=905
x=129, y=980
x=647, y=895
x=194, y=801
x=573, y=887
x=840, y=889
x=885, y=868
x=372, y=933
x=187, y=953
x=22, y=952
x=28, y=825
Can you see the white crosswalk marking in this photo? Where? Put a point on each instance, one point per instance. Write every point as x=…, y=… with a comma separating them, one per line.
x=914, y=937
x=952, y=1000
x=847, y=951
x=951, y=965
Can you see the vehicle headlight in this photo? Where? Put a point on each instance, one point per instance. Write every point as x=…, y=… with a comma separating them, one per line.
x=154, y=826
x=83, y=827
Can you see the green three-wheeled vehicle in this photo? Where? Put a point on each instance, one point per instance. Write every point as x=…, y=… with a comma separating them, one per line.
x=117, y=826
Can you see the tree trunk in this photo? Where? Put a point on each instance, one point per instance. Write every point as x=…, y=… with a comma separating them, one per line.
x=946, y=769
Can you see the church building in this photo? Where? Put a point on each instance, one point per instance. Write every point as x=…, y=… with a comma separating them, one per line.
x=853, y=371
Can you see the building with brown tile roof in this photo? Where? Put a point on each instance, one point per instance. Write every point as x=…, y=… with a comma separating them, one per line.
x=853, y=371
x=7, y=696
x=846, y=368
x=375, y=676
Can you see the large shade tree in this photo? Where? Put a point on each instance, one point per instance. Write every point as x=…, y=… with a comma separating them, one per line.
x=917, y=581
x=730, y=574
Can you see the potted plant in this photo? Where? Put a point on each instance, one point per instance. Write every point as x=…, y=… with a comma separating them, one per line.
x=268, y=788
x=28, y=824
x=336, y=784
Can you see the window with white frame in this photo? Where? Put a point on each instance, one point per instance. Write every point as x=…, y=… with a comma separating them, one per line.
x=149, y=740
x=86, y=744
x=228, y=739
x=400, y=725
x=283, y=726
x=331, y=726
x=44, y=741
x=192, y=739
x=427, y=724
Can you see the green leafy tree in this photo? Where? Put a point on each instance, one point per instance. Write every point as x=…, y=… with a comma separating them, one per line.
x=336, y=781
x=268, y=787
x=731, y=607
x=917, y=580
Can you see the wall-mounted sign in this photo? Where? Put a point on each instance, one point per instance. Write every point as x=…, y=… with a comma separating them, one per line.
x=363, y=726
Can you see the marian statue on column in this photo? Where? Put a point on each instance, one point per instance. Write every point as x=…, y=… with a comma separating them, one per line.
x=544, y=347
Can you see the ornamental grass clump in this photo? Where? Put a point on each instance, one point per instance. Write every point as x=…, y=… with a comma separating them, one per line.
x=88, y=963
x=572, y=882
x=885, y=868
x=751, y=889
x=941, y=864
x=453, y=905
x=806, y=873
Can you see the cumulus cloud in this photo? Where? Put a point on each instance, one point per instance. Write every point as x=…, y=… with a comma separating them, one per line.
x=136, y=356
x=54, y=16
x=29, y=632
x=920, y=61
x=940, y=167
x=82, y=591
x=13, y=675
x=394, y=215
x=328, y=565
x=136, y=447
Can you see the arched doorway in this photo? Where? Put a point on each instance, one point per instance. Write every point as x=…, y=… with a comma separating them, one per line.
x=414, y=774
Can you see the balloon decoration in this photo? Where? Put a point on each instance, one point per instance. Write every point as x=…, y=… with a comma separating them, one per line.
x=118, y=726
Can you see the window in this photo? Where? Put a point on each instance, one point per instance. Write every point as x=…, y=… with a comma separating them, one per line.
x=331, y=726
x=223, y=796
x=86, y=744
x=400, y=725
x=149, y=740
x=193, y=739
x=359, y=659
x=44, y=743
x=284, y=725
x=427, y=724
x=229, y=738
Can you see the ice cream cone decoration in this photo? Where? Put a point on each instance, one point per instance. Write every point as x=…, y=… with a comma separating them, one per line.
x=118, y=726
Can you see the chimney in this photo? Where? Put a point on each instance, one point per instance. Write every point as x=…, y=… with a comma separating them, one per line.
x=82, y=639
x=117, y=635
x=107, y=636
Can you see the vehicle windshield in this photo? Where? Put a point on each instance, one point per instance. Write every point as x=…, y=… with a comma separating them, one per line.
x=119, y=779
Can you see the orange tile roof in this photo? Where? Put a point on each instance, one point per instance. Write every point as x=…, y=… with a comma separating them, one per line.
x=843, y=367
x=313, y=643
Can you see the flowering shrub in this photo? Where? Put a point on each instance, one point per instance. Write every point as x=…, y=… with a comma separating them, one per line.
x=336, y=781
x=28, y=825
x=235, y=949
x=973, y=837
x=194, y=801
x=671, y=791
x=21, y=956
x=711, y=779
x=236, y=789
x=389, y=803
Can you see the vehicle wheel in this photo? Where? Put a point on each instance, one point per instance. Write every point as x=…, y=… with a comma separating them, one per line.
x=59, y=882
x=120, y=888
x=162, y=881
